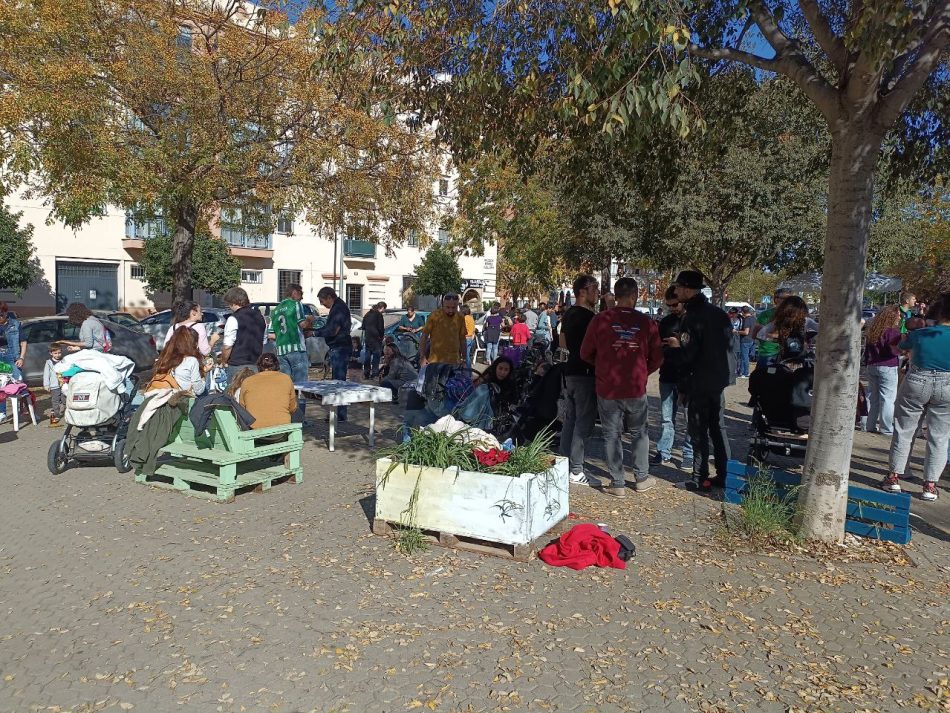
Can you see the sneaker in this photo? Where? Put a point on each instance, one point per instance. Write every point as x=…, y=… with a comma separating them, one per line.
x=580, y=479
x=644, y=484
x=930, y=491
x=892, y=483
x=616, y=491
x=54, y=423
x=687, y=464
x=660, y=459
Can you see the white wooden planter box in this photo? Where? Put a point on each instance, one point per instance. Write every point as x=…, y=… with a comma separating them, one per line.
x=498, y=508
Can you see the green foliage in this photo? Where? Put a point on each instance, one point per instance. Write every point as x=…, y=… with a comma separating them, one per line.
x=438, y=273
x=214, y=268
x=19, y=267
x=766, y=516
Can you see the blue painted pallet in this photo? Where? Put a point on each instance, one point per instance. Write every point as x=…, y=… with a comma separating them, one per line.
x=865, y=518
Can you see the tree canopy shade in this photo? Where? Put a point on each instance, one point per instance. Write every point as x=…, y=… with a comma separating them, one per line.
x=19, y=267
x=184, y=107
x=525, y=71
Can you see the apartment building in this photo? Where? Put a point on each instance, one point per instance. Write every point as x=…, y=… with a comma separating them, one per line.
x=98, y=264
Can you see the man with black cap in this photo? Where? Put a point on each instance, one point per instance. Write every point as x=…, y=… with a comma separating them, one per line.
x=707, y=366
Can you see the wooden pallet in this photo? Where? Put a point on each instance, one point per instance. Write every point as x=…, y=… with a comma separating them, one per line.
x=871, y=513
x=518, y=553
x=201, y=479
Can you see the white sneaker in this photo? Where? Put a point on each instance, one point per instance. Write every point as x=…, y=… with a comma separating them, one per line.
x=580, y=479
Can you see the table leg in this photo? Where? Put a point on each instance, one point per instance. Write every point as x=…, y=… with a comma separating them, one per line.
x=332, y=426
x=15, y=405
x=372, y=423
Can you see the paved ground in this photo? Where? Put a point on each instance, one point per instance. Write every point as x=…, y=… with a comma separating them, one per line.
x=116, y=596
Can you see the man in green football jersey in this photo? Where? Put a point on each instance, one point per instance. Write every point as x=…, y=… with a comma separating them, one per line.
x=288, y=321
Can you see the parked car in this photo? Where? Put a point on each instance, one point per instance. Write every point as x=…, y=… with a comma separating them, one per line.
x=40, y=332
x=157, y=324
x=123, y=318
x=391, y=321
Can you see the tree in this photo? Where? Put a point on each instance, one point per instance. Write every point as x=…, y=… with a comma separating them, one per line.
x=187, y=109
x=524, y=70
x=438, y=273
x=18, y=264
x=214, y=268
x=923, y=260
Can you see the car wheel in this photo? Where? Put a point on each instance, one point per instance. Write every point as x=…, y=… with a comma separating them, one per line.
x=58, y=457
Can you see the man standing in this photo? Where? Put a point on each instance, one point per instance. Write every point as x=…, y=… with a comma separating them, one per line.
x=705, y=371
x=443, y=337
x=768, y=352
x=580, y=399
x=243, y=333
x=530, y=319
x=908, y=301
x=336, y=332
x=288, y=322
x=746, y=342
x=542, y=332
x=624, y=347
x=373, y=329
x=669, y=386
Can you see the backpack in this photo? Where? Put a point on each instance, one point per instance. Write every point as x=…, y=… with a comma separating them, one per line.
x=106, y=339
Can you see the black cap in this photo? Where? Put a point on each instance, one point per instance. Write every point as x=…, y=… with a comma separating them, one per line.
x=690, y=279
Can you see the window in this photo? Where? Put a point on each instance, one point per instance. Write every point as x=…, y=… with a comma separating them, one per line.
x=284, y=278
x=443, y=186
x=285, y=225
x=136, y=272
x=243, y=227
x=443, y=236
x=413, y=241
x=354, y=298
x=144, y=228
x=254, y=277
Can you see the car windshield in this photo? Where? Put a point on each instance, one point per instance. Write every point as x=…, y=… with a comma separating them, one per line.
x=160, y=318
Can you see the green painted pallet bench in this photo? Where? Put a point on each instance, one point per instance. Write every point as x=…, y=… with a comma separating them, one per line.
x=224, y=459
x=871, y=513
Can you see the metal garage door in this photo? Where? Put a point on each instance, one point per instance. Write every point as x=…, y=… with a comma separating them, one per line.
x=95, y=284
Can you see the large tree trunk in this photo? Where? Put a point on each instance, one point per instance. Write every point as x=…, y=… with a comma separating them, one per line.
x=183, y=245
x=823, y=498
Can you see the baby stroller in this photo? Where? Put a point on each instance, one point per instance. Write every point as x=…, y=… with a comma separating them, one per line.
x=97, y=420
x=539, y=408
x=781, y=407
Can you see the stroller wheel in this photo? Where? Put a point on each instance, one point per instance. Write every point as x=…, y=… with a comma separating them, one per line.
x=123, y=463
x=58, y=457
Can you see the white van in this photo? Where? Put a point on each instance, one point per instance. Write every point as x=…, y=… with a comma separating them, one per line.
x=738, y=305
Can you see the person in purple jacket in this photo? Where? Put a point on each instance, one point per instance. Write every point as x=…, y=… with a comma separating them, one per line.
x=882, y=357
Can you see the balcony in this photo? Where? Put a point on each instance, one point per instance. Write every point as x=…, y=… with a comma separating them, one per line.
x=136, y=233
x=251, y=241
x=359, y=248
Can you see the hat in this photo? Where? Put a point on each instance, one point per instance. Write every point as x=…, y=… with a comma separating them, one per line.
x=690, y=279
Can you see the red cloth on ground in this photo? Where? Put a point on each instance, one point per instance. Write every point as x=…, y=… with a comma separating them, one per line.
x=582, y=546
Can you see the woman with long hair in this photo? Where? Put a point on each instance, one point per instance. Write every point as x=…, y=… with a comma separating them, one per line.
x=187, y=313
x=791, y=328
x=925, y=391
x=92, y=332
x=396, y=371
x=179, y=365
x=882, y=358
x=269, y=395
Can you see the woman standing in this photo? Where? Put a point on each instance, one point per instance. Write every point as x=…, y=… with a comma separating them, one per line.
x=882, y=357
x=926, y=387
x=188, y=314
x=492, y=333
x=92, y=332
x=792, y=329
x=179, y=365
x=12, y=348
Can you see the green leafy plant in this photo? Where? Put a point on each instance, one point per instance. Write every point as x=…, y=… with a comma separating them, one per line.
x=767, y=512
x=19, y=267
x=438, y=273
x=214, y=268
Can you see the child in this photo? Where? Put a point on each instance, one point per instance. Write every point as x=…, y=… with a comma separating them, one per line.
x=520, y=333
x=52, y=382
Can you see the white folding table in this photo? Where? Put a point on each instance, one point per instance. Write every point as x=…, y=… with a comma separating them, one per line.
x=332, y=393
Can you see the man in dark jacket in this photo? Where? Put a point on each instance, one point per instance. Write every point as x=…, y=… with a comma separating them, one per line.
x=707, y=367
x=669, y=386
x=373, y=329
x=243, y=333
x=336, y=332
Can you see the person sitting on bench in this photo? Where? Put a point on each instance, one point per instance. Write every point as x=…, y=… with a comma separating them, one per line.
x=269, y=394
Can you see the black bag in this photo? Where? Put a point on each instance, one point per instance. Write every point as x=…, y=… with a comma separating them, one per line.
x=627, y=548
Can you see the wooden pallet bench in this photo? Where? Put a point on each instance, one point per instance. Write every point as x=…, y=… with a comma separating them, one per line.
x=518, y=553
x=871, y=513
x=224, y=459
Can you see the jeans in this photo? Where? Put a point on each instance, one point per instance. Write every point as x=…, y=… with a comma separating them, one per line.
x=580, y=412
x=339, y=359
x=882, y=390
x=612, y=412
x=669, y=397
x=371, y=367
x=238, y=368
x=469, y=351
x=922, y=389
x=491, y=351
x=706, y=416
x=386, y=384
x=745, y=356
x=296, y=365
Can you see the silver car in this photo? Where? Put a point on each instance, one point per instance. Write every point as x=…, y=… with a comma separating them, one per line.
x=39, y=333
x=158, y=324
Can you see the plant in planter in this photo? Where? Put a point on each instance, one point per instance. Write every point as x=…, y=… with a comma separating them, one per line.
x=441, y=482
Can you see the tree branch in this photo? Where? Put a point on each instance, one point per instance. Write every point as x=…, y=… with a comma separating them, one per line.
x=770, y=29
x=935, y=42
x=827, y=40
